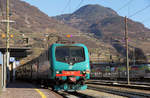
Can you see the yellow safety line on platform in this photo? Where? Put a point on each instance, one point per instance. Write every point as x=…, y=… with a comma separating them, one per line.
x=41, y=93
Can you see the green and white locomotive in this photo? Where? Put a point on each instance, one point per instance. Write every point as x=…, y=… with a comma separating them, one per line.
x=62, y=66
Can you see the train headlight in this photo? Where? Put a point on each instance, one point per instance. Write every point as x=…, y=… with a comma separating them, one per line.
x=87, y=71
x=57, y=72
x=84, y=72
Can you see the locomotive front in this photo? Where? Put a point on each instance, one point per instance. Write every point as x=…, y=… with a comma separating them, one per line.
x=70, y=66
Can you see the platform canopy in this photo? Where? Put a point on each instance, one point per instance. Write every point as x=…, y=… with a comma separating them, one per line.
x=17, y=52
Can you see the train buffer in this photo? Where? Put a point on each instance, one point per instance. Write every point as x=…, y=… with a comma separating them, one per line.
x=26, y=90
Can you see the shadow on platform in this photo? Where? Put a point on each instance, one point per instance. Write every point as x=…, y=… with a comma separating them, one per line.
x=21, y=84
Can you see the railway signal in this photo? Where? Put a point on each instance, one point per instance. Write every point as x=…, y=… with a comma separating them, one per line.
x=4, y=36
x=11, y=35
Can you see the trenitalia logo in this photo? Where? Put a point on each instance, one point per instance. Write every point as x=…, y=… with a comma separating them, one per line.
x=70, y=73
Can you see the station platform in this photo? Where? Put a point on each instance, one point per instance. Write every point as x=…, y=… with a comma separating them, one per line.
x=20, y=89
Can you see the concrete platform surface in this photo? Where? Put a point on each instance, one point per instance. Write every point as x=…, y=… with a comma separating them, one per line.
x=26, y=90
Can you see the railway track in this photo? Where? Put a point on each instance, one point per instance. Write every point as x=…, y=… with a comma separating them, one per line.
x=89, y=93
x=73, y=95
x=101, y=91
x=122, y=82
x=126, y=92
x=118, y=84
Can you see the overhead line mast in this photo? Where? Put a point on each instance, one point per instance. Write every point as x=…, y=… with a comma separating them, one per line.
x=127, y=57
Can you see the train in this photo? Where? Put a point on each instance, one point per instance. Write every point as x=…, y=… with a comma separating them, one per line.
x=62, y=66
x=118, y=71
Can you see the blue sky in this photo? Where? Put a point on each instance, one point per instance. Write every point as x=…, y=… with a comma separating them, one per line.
x=57, y=7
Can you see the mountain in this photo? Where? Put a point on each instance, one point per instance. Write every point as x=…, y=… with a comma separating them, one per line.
x=86, y=16
x=108, y=26
x=103, y=22
x=30, y=22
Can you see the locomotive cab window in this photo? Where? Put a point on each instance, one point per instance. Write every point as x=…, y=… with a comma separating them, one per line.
x=70, y=53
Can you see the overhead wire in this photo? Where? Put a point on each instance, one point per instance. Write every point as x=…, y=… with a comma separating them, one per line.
x=126, y=4
x=80, y=3
x=67, y=5
x=141, y=10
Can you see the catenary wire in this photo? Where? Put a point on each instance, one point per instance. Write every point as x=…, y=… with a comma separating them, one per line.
x=141, y=10
x=126, y=4
x=67, y=5
x=80, y=3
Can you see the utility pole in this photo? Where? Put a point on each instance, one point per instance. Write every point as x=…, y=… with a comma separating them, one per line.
x=127, y=60
x=7, y=45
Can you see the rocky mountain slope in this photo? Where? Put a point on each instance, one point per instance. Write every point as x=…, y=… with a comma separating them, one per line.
x=31, y=22
x=35, y=25
x=103, y=22
x=108, y=26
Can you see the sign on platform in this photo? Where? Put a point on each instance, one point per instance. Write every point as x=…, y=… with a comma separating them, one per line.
x=12, y=59
x=17, y=63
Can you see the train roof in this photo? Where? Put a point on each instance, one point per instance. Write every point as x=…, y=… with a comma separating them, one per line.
x=69, y=44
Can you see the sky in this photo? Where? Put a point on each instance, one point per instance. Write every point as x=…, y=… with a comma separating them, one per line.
x=122, y=7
